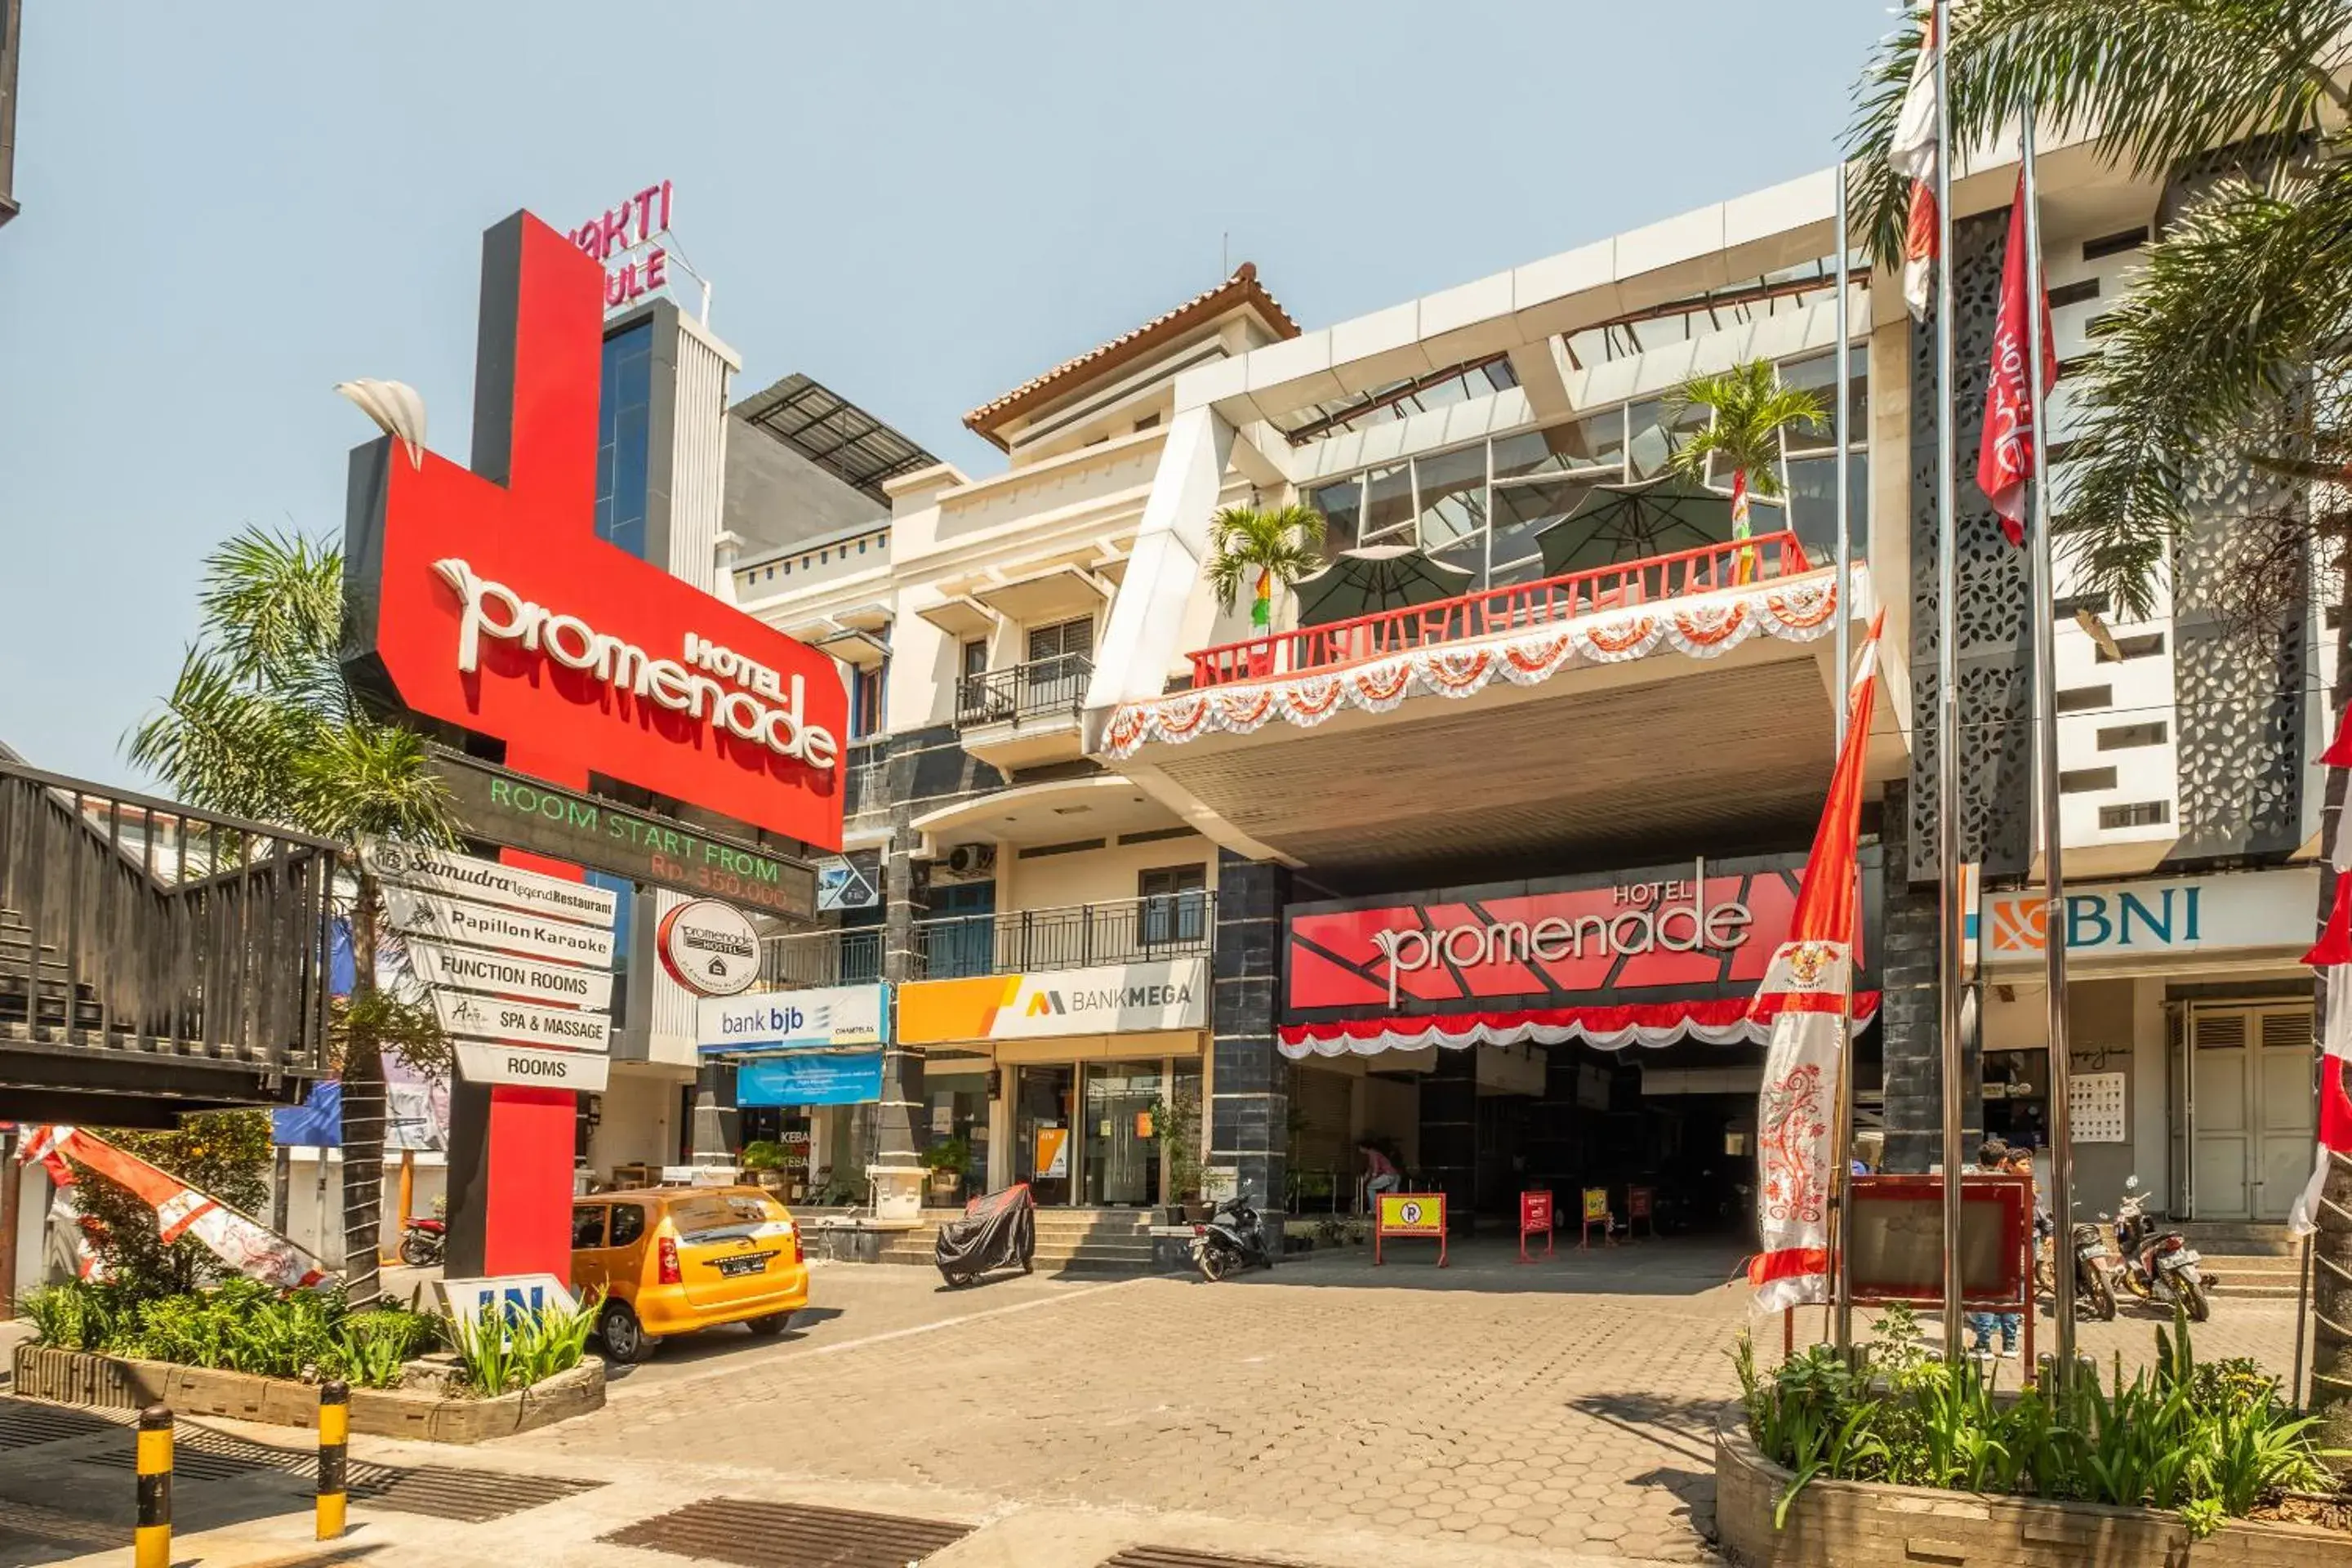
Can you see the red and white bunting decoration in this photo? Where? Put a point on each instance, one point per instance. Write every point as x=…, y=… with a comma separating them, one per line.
x=2332, y=956
x=1914, y=153
x=1724, y=1021
x=1799, y=611
x=250, y=1247
x=1807, y=992
x=2010, y=446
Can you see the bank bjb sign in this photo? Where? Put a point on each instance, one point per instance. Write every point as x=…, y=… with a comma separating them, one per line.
x=826, y=1017
x=1703, y=927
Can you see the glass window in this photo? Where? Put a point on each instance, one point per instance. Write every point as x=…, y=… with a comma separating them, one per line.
x=1813, y=505
x=1388, y=505
x=866, y=704
x=628, y=1224
x=1175, y=903
x=1596, y=441
x=624, y=437
x=713, y=1215
x=625, y=893
x=975, y=658
x=1342, y=506
x=587, y=1225
x=1452, y=491
x=1650, y=438
x=1121, y=1163
x=1522, y=512
x=1815, y=376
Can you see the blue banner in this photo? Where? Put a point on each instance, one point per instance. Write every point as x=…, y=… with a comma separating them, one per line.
x=850, y=1079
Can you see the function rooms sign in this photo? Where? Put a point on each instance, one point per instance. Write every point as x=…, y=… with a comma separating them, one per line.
x=520, y=967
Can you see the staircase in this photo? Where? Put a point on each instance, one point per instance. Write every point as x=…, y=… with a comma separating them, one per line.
x=2245, y=1261
x=1106, y=1242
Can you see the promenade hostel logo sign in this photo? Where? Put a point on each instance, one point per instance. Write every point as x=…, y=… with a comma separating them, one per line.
x=709, y=947
x=826, y=1017
x=1701, y=929
x=483, y=599
x=1103, y=999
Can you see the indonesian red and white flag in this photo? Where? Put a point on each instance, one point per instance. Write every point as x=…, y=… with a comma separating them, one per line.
x=1808, y=990
x=2332, y=956
x=2011, y=446
x=1914, y=153
x=245, y=1244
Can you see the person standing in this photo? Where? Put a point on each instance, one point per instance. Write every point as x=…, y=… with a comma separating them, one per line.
x=1993, y=1159
x=1380, y=1172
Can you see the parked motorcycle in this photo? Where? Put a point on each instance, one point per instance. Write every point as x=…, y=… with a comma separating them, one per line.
x=422, y=1241
x=2094, y=1290
x=2158, y=1265
x=1232, y=1238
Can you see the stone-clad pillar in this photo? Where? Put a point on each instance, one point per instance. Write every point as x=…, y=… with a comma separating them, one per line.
x=1909, y=1024
x=1449, y=1134
x=1249, y=1088
x=906, y=898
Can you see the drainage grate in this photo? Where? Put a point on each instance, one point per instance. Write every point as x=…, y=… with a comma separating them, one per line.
x=469, y=1496
x=787, y=1535
x=23, y=1425
x=1179, y=1557
x=189, y=1462
x=205, y=1455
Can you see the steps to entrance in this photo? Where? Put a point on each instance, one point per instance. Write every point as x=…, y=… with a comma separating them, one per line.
x=2245, y=1261
x=1069, y=1241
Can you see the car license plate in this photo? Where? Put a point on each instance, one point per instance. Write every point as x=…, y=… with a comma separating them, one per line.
x=751, y=1264
x=2182, y=1258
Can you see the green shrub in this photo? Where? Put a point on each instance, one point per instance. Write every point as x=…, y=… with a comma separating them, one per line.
x=2209, y=1441
x=509, y=1347
x=239, y=1326
x=763, y=1155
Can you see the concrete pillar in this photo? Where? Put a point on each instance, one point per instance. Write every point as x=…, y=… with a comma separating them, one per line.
x=906, y=898
x=1449, y=1134
x=1908, y=1031
x=1249, y=1099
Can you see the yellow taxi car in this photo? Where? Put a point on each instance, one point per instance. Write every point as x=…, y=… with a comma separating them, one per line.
x=673, y=1260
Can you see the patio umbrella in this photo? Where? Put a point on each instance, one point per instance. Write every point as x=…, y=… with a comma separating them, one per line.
x=1617, y=523
x=1375, y=578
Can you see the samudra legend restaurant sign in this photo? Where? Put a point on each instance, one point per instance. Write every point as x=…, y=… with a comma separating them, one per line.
x=1643, y=957
x=482, y=597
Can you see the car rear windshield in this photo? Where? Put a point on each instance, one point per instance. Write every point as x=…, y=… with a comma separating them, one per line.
x=722, y=1211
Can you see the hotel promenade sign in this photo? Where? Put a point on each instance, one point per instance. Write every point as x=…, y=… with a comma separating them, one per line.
x=483, y=597
x=1707, y=927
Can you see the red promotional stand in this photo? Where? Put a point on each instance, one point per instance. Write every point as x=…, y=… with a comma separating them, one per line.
x=1421, y=1215
x=1535, y=1214
x=1642, y=1206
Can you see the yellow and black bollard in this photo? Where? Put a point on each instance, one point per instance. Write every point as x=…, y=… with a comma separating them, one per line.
x=152, y=1543
x=334, y=1438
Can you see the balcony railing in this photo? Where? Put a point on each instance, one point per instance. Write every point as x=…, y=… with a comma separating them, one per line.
x=1170, y=925
x=137, y=926
x=849, y=956
x=1498, y=611
x=1054, y=687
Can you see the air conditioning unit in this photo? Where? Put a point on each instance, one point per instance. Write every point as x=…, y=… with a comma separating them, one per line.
x=971, y=859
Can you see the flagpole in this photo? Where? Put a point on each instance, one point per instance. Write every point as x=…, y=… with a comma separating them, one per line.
x=1842, y=1133
x=1948, y=702
x=2054, y=944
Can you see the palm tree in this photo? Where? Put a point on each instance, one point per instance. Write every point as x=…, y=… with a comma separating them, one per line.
x=1264, y=547
x=2234, y=347
x=261, y=723
x=1752, y=412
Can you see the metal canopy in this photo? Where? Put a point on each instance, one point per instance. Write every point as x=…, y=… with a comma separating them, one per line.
x=834, y=434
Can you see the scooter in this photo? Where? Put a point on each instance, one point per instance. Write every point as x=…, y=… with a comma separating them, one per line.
x=1232, y=1238
x=2094, y=1290
x=422, y=1240
x=2158, y=1265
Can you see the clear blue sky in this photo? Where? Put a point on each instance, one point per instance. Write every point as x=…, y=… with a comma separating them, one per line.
x=230, y=207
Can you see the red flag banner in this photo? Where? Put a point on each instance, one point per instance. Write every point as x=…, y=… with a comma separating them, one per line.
x=2006, y=455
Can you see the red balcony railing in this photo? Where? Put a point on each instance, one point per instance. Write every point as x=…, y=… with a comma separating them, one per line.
x=1501, y=610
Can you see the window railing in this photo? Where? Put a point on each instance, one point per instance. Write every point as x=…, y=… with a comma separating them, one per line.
x=140, y=926
x=1168, y=925
x=1497, y=611
x=1043, y=687
x=849, y=956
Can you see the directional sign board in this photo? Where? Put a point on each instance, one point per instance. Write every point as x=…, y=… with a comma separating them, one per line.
x=482, y=925
x=471, y=968
x=487, y=882
x=481, y=1062
x=521, y=1023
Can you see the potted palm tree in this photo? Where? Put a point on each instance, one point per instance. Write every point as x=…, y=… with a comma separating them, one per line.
x=1751, y=411
x=1266, y=548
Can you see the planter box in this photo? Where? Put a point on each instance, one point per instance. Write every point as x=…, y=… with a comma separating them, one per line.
x=1859, y=1524
x=119, y=1383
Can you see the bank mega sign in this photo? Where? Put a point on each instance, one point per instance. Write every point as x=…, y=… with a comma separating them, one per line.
x=2174, y=917
x=1101, y=999
x=483, y=597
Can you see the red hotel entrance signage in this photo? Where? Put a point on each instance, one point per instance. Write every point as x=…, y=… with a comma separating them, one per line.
x=484, y=598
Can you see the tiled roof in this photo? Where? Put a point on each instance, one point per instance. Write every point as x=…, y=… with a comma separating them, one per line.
x=1242, y=289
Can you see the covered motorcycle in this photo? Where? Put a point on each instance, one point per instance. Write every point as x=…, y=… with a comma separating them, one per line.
x=998, y=1231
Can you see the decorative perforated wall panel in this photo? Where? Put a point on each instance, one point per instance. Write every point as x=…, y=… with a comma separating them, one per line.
x=1996, y=683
